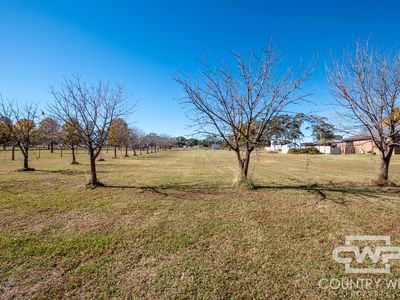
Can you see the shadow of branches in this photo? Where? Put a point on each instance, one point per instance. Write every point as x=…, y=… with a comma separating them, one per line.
x=337, y=192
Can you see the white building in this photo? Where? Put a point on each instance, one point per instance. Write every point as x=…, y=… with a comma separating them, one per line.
x=328, y=149
x=216, y=146
x=275, y=146
x=287, y=147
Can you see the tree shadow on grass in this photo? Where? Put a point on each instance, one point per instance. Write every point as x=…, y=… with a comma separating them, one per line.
x=70, y=172
x=338, y=192
x=171, y=188
x=334, y=192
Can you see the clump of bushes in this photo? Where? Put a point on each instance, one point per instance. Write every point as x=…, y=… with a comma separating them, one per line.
x=311, y=150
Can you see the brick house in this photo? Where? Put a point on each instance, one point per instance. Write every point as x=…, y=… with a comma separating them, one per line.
x=356, y=144
x=359, y=144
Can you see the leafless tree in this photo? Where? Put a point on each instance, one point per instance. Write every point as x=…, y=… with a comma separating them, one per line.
x=146, y=141
x=95, y=107
x=238, y=105
x=366, y=85
x=166, y=142
x=152, y=141
x=141, y=140
x=133, y=140
x=21, y=125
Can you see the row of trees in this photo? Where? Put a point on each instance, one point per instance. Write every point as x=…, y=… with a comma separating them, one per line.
x=88, y=116
x=26, y=134
x=121, y=136
x=248, y=103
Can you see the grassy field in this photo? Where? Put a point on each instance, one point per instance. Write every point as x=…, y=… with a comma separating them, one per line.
x=170, y=225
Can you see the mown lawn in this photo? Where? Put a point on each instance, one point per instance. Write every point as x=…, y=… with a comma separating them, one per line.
x=170, y=225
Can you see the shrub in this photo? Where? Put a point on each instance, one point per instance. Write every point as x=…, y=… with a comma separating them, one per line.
x=310, y=150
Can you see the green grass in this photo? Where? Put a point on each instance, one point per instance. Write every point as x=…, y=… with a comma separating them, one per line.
x=171, y=225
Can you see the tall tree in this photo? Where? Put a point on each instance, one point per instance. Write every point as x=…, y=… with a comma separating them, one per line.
x=366, y=84
x=284, y=128
x=181, y=141
x=321, y=130
x=95, y=107
x=21, y=125
x=239, y=106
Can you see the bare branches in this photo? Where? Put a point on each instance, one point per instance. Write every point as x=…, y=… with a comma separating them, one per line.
x=21, y=125
x=239, y=105
x=92, y=108
x=366, y=84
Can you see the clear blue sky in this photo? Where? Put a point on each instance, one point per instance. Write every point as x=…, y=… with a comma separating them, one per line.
x=143, y=43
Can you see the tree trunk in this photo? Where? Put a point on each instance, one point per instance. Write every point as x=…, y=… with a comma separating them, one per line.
x=126, y=152
x=384, y=171
x=243, y=167
x=93, y=180
x=51, y=147
x=13, y=152
x=115, y=151
x=26, y=160
x=134, y=152
x=383, y=178
x=73, y=156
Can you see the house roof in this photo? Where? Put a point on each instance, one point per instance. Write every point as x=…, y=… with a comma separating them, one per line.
x=356, y=138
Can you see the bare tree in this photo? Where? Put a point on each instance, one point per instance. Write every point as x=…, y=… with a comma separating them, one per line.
x=166, y=142
x=21, y=125
x=134, y=139
x=366, y=84
x=239, y=106
x=95, y=107
x=152, y=141
x=141, y=140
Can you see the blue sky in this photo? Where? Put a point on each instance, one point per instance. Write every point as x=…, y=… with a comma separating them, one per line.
x=141, y=44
